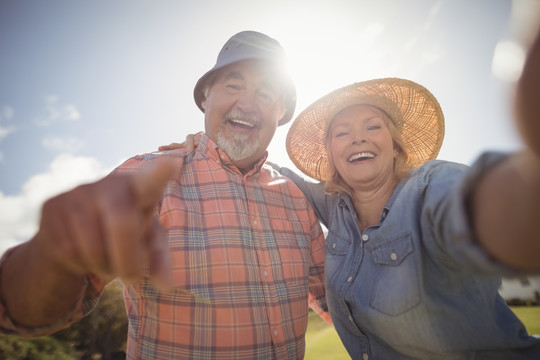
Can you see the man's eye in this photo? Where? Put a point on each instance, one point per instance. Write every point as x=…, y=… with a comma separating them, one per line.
x=266, y=97
x=233, y=87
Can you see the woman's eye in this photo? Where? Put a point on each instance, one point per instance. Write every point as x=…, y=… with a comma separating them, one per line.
x=374, y=127
x=341, y=134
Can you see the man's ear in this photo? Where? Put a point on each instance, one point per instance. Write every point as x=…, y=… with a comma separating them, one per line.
x=282, y=112
x=203, y=103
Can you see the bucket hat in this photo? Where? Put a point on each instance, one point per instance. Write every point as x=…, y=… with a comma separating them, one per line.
x=251, y=45
x=413, y=109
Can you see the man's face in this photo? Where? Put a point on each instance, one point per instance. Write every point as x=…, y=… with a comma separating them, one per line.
x=242, y=110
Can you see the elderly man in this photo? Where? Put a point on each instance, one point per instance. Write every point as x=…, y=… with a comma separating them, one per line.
x=243, y=251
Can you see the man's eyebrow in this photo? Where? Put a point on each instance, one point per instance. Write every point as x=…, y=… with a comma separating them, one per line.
x=234, y=75
x=268, y=86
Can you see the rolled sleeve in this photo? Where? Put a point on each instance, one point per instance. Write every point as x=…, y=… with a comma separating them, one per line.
x=460, y=238
x=88, y=299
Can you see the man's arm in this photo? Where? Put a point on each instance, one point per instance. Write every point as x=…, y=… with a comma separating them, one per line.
x=506, y=203
x=106, y=229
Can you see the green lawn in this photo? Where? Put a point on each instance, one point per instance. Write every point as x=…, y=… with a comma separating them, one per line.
x=322, y=341
x=530, y=316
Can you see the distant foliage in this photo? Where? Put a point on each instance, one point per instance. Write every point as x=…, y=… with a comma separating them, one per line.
x=102, y=334
x=44, y=348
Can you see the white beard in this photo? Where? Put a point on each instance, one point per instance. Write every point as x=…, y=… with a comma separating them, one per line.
x=238, y=147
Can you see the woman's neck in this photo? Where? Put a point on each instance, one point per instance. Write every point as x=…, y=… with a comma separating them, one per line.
x=369, y=203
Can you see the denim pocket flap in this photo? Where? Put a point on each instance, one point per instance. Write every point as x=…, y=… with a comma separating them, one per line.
x=394, y=252
x=336, y=245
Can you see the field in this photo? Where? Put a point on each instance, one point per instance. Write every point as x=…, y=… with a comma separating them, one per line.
x=322, y=341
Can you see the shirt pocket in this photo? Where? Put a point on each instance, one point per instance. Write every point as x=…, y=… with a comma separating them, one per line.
x=336, y=245
x=395, y=284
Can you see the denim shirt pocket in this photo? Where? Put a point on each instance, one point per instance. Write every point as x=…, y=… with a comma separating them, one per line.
x=336, y=245
x=395, y=284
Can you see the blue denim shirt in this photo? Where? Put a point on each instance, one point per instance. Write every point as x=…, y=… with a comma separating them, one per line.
x=416, y=285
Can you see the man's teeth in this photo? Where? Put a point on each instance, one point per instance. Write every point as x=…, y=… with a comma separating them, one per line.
x=245, y=123
x=362, y=155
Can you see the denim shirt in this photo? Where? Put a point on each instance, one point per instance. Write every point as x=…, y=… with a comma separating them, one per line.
x=416, y=285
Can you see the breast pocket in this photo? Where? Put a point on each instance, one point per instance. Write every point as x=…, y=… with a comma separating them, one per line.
x=337, y=245
x=395, y=284
x=337, y=248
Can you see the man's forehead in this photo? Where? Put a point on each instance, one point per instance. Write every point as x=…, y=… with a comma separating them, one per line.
x=261, y=71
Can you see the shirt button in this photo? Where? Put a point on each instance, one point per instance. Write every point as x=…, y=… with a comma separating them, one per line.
x=333, y=245
x=265, y=273
x=350, y=318
x=254, y=222
x=365, y=356
x=393, y=256
x=275, y=332
x=365, y=237
x=349, y=279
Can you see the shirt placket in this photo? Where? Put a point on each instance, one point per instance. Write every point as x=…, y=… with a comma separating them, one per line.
x=354, y=270
x=261, y=235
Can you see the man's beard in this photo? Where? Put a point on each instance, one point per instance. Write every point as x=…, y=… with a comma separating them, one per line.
x=238, y=147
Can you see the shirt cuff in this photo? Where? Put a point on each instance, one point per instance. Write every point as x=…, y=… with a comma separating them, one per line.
x=88, y=298
x=462, y=241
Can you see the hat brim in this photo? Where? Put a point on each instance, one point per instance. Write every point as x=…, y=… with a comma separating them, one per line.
x=289, y=97
x=414, y=110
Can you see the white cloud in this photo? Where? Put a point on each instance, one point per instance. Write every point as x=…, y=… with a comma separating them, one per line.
x=56, y=112
x=69, y=145
x=6, y=113
x=20, y=212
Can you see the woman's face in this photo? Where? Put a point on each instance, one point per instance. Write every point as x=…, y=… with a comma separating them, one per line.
x=361, y=147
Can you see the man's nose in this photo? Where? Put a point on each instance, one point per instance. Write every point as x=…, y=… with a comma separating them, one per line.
x=247, y=101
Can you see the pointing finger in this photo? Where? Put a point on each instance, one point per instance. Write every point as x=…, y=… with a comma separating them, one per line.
x=148, y=184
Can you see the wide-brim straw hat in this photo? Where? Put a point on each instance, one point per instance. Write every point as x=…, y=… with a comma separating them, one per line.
x=414, y=110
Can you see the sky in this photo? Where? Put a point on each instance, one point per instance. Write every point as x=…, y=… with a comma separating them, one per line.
x=84, y=85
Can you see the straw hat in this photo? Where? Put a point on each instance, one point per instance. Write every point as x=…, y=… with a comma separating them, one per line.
x=414, y=110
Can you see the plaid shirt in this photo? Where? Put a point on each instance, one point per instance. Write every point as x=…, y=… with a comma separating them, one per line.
x=247, y=250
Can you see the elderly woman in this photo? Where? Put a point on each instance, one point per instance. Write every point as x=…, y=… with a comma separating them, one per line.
x=415, y=246
x=406, y=276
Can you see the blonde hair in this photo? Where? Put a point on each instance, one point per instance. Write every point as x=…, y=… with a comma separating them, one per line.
x=334, y=181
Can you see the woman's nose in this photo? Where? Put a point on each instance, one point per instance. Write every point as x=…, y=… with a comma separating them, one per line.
x=359, y=138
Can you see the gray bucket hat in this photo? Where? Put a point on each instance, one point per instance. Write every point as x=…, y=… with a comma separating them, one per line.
x=251, y=45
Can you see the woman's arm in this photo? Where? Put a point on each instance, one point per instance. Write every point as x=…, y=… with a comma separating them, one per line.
x=506, y=202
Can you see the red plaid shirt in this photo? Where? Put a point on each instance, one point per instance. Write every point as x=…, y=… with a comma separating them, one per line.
x=247, y=253
x=247, y=250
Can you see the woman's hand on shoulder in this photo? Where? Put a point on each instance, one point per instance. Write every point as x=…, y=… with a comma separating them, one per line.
x=189, y=145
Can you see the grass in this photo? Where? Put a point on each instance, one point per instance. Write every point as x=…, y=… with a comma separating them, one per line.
x=322, y=341
x=530, y=316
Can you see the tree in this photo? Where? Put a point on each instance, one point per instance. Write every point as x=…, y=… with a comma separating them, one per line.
x=103, y=333
x=14, y=347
